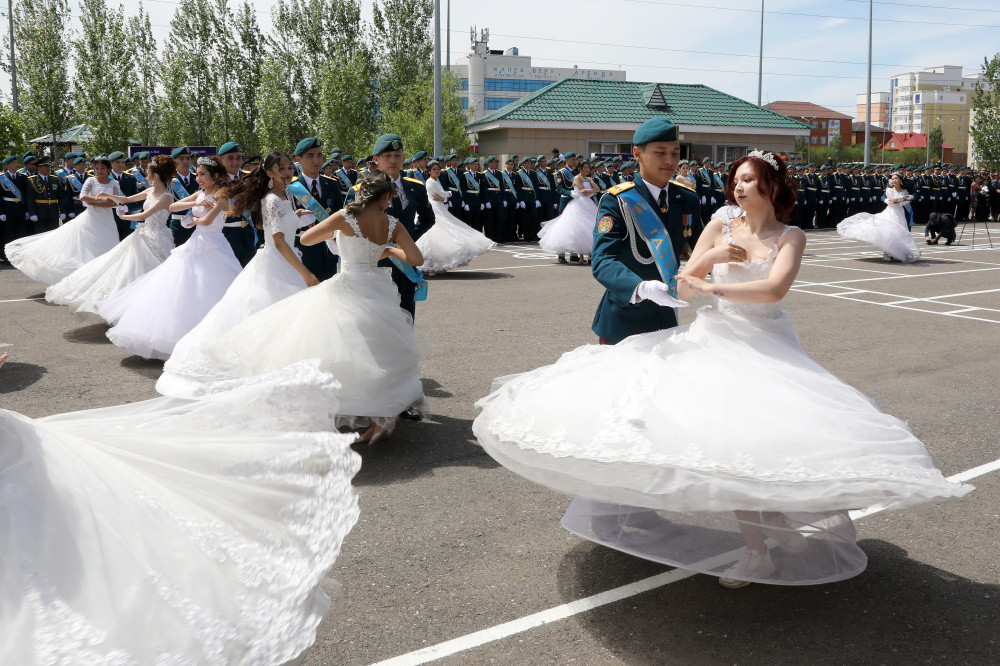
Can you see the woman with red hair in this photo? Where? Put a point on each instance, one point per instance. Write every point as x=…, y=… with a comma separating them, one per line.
x=718, y=447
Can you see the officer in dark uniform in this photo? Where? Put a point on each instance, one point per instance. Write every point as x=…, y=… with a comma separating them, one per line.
x=72, y=184
x=14, y=209
x=824, y=196
x=510, y=202
x=451, y=180
x=186, y=179
x=238, y=229
x=490, y=187
x=703, y=187
x=308, y=155
x=410, y=206
x=810, y=183
x=45, y=192
x=719, y=177
x=30, y=161
x=418, y=162
x=547, y=196
x=472, y=192
x=962, y=188
x=564, y=180
x=622, y=260
x=528, y=203
x=128, y=185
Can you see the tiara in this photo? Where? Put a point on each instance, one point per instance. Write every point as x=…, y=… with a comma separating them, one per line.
x=207, y=161
x=767, y=157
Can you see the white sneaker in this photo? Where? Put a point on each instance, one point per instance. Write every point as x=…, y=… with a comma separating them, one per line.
x=778, y=527
x=753, y=564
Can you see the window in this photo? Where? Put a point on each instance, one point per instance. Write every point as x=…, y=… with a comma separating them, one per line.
x=463, y=84
x=494, y=103
x=916, y=98
x=822, y=124
x=815, y=140
x=814, y=124
x=822, y=140
x=465, y=103
x=515, y=85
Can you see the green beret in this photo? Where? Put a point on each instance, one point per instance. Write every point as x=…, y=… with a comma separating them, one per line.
x=655, y=129
x=69, y=156
x=419, y=155
x=117, y=155
x=491, y=158
x=346, y=157
x=144, y=155
x=525, y=161
x=453, y=156
x=7, y=160
x=327, y=163
x=470, y=160
x=510, y=160
x=306, y=144
x=180, y=150
x=79, y=160
x=570, y=154
x=628, y=164
x=407, y=162
x=28, y=155
x=387, y=142
x=228, y=147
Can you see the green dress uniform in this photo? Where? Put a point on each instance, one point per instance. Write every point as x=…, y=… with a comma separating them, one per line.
x=527, y=201
x=43, y=197
x=491, y=186
x=72, y=185
x=509, y=202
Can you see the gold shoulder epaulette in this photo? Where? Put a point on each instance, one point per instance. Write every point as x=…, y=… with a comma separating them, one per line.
x=621, y=187
x=294, y=179
x=323, y=175
x=412, y=180
x=356, y=187
x=680, y=184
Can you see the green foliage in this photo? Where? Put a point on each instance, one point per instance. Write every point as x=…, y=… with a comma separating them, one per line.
x=12, y=138
x=189, y=82
x=412, y=117
x=347, y=113
x=247, y=79
x=276, y=125
x=985, y=127
x=144, y=103
x=837, y=148
x=935, y=140
x=404, y=41
x=800, y=145
x=42, y=47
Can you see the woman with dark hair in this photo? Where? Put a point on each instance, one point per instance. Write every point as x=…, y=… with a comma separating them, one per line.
x=711, y=446
x=352, y=322
x=274, y=273
x=133, y=257
x=888, y=230
x=150, y=315
x=450, y=243
x=50, y=256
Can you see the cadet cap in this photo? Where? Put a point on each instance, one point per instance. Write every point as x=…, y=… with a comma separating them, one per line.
x=387, y=142
x=228, y=147
x=306, y=144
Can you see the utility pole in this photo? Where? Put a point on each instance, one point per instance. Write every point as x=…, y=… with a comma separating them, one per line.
x=868, y=101
x=447, y=59
x=437, y=78
x=760, y=59
x=13, y=63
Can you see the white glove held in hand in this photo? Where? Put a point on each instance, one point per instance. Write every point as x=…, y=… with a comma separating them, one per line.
x=538, y=204
x=122, y=210
x=489, y=205
x=465, y=206
x=34, y=218
x=658, y=292
x=62, y=216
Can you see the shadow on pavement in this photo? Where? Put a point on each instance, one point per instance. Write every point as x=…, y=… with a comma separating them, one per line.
x=147, y=367
x=18, y=376
x=470, y=275
x=93, y=334
x=899, y=611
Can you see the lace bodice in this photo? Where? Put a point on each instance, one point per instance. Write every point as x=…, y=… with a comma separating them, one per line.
x=278, y=217
x=202, y=205
x=435, y=188
x=891, y=195
x=748, y=271
x=357, y=253
x=154, y=230
x=92, y=188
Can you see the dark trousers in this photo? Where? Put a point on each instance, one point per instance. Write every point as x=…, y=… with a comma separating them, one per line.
x=406, y=289
x=528, y=221
x=318, y=259
x=180, y=233
x=242, y=240
x=124, y=227
x=490, y=217
x=48, y=218
x=962, y=210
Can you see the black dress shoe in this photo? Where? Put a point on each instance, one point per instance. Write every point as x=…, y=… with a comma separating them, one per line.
x=562, y=258
x=412, y=414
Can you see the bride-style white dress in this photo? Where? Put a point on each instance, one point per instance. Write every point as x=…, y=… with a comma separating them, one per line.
x=130, y=259
x=666, y=434
x=887, y=230
x=352, y=323
x=450, y=243
x=50, y=256
x=572, y=232
x=174, y=531
x=154, y=312
x=267, y=279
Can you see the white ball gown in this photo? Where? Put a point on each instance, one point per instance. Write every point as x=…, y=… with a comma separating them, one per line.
x=572, y=232
x=50, y=256
x=887, y=230
x=267, y=279
x=666, y=434
x=174, y=531
x=352, y=323
x=154, y=312
x=450, y=243
x=130, y=259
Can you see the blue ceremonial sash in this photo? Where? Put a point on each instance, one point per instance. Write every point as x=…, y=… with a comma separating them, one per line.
x=527, y=180
x=568, y=174
x=299, y=191
x=651, y=229
x=471, y=181
x=510, y=183
x=74, y=181
x=141, y=178
x=178, y=189
x=493, y=179
x=414, y=275
x=9, y=185
x=343, y=177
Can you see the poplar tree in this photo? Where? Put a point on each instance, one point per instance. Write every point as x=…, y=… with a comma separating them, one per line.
x=985, y=127
x=145, y=102
x=276, y=125
x=189, y=82
x=246, y=79
x=104, y=78
x=347, y=111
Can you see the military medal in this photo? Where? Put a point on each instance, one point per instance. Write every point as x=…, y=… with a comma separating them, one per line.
x=685, y=220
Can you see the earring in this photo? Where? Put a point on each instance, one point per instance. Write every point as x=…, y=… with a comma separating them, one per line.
x=270, y=183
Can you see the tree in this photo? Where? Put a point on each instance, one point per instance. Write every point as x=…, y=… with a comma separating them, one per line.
x=42, y=43
x=12, y=138
x=347, y=112
x=412, y=117
x=274, y=101
x=935, y=140
x=403, y=44
x=104, y=77
x=836, y=146
x=800, y=145
x=145, y=104
x=246, y=79
x=985, y=127
x=189, y=82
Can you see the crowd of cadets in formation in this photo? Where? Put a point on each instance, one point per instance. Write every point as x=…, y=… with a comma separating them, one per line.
x=510, y=201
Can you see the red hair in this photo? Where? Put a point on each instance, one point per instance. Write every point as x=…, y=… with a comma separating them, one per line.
x=772, y=183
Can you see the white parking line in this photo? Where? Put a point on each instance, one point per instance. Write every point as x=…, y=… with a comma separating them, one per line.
x=491, y=634
x=21, y=300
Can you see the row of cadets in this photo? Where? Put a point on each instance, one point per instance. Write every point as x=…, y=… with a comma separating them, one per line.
x=325, y=190
x=451, y=180
x=13, y=205
x=129, y=186
x=183, y=185
x=73, y=180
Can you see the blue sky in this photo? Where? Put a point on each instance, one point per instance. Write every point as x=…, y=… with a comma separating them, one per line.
x=814, y=50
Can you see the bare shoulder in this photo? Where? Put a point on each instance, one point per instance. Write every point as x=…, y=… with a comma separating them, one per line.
x=713, y=228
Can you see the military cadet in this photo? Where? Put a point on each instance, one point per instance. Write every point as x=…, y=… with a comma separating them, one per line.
x=72, y=184
x=718, y=186
x=14, y=210
x=527, y=201
x=30, y=161
x=636, y=292
x=510, y=201
x=703, y=186
x=547, y=196
x=490, y=188
x=346, y=175
x=564, y=180
x=139, y=173
x=128, y=185
x=419, y=162
x=44, y=194
x=951, y=178
x=471, y=193
x=182, y=186
x=615, y=169
x=67, y=165
x=921, y=197
x=308, y=155
x=811, y=186
x=450, y=181
x=410, y=205
x=824, y=197
x=238, y=229
x=795, y=174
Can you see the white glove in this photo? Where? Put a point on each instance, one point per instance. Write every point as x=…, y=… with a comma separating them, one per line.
x=33, y=218
x=703, y=201
x=465, y=205
x=3, y=218
x=482, y=206
x=658, y=292
x=72, y=215
x=488, y=205
x=504, y=204
x=62, y=216
x=306, y=220
x=538, y=204
x=521, y=204
x=122, y=210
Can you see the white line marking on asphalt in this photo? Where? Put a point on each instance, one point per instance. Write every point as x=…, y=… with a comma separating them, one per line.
x=21, y=300
x=502, y=268
x=491, y=634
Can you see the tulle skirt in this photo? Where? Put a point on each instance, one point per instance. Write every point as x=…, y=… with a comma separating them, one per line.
x=267, y=279
x=174, y=531
x=50, y=256
x=154, y=312
x=97, y=279
x=727, y=414
x=353, y=324
x=887, y=231
x=573, y=231
x=450, y=243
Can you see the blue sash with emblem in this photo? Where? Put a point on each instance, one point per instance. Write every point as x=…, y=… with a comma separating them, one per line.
x=651, y=229
x=9, y=185
x=137, y=172
x=74, y=181
x=347, y=181
x=414, y=275
x=299, y=191
x=510, y=183
x=493, y=180
x=527, y=180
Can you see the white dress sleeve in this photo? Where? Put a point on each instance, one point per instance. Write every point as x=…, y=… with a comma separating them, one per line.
x=88, y=188
x=270, y=210
x=116, y=188
x=434, y=187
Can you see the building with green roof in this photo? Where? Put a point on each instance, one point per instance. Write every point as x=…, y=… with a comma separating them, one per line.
x=596, y=116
